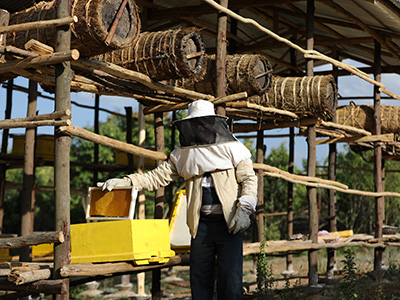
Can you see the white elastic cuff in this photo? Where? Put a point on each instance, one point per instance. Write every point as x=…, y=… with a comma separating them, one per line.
x=248, y=202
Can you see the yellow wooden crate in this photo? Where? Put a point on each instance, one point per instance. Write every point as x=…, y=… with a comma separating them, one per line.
x=141, y=241
x=343, y=233
x=179, y=233
x=44, y=147
x=5, y=252
x=43, y=250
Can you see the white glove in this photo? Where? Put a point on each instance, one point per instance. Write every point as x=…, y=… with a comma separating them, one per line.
x=110, y=184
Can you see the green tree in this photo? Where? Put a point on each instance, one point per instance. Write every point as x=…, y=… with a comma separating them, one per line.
x=276, y=194
x=355, y=211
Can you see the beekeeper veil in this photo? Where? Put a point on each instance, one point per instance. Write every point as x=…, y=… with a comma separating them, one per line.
x=202, y=126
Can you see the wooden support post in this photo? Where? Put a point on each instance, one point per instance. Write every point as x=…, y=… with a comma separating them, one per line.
x=4, y=146
x=141, y=210
x=311, y=161
x=28, y=192
x=159, y=202
x=290, y=187
x=4, y=19
x=128, y=136
x=97, y=131
x=62, y=147
x=379, y=201
x=260, y=188
x=331, y=253
x=221, y=57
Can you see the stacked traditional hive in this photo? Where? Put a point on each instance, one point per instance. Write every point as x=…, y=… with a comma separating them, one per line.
x=307, y=96
x=91, y=35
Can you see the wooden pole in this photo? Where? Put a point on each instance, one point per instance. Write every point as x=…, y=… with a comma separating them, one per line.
x=128, y=137
x=43, y=117
x=311, y=161
x=141, y=210
x=62, y=147
x=331, y=253
x=260, y=187
x=47, y=59
x=28, y=191
x=290, y=187
x=4, y=146
x=35, y=239
x=97, y=131
x=111, y=143
x=159, y=201
x=41, y=286
x=4, y=20
x=379, y=201
x=221, y=57
x=250, y=127
x=39, y=24
x=140, y=78
x=33, y=124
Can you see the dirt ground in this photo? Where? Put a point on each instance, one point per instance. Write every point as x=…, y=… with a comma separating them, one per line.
x=175, y=284
x=175, y=281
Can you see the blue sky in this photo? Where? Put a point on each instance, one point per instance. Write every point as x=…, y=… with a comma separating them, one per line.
x=348, y=86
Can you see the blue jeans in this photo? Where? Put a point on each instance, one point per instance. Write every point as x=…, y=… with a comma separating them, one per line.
x=214, y=241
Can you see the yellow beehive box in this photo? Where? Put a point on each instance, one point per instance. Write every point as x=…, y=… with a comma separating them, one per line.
x=343, y=233
x=179, y=233
x=44, y=147
x=43, y=250
x=141, y=241
x=5, y=252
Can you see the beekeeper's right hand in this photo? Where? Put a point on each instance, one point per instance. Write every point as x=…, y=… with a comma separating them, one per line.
x=110, y=184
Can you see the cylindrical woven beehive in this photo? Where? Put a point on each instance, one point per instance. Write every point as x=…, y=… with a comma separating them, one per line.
x=89, y=34
x=163, y=55
x=249, y=73
x=308, y=95
x=362, y=116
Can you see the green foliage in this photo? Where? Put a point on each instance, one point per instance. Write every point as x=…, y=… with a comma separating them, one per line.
x=265, y=276
x=276, y=194
x=348, y=285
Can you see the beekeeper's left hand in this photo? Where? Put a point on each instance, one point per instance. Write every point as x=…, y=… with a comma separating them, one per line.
x=110, y=184
x=241, y=220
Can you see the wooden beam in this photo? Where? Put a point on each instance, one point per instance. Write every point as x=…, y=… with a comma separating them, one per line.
x=41, y=286
x=111, y=143
x=78, y=270
x=250, y=127
x=31, y=62
x=264, y=167
x=140, y=78
x=35, y=239
x=365, y=139
x=38, y=24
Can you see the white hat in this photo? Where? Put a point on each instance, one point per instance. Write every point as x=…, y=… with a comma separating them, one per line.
x=200, y=108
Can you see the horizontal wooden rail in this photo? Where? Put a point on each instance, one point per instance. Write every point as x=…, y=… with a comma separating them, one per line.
x=38, y=24
x=111, y=143
x=30, y=240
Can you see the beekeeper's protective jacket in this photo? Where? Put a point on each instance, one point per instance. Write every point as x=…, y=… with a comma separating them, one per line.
x=231, y=170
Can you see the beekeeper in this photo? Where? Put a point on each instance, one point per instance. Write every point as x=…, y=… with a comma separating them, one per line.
x=221, y=189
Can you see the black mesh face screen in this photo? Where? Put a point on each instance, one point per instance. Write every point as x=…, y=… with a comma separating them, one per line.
x=204, y=131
